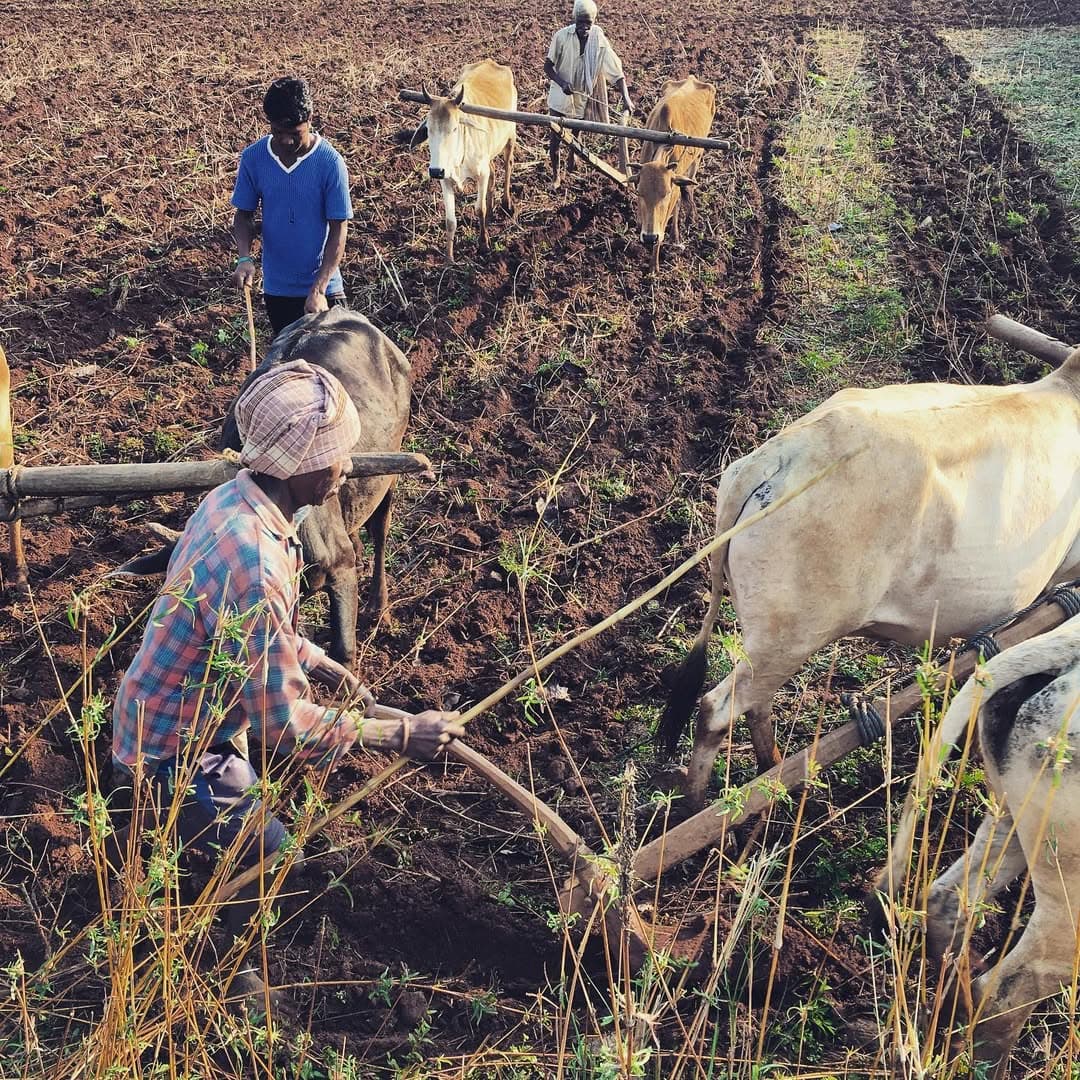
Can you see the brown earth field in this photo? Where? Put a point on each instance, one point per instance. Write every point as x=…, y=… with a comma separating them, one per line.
x=558, y=354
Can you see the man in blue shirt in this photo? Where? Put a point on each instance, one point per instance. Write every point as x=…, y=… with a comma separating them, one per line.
x=302, y=185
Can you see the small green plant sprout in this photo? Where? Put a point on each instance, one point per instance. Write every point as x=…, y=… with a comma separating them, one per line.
x=731, y=801
x=95, y=446
x=165, y=442
x=199, y=353
x=773, y=789
x=482, y=1004
x=612, y=487
x=91, y=719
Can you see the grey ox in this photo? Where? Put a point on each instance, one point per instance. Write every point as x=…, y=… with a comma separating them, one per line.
x=379, y=380
x=1027, y=706
x=951, y=506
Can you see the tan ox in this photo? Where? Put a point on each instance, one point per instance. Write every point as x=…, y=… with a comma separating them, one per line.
x=463, y=147
x=952, y=505
x=1027, y=701
x=667, y=174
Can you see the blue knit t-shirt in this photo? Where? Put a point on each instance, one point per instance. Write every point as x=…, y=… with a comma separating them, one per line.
x=298, y=202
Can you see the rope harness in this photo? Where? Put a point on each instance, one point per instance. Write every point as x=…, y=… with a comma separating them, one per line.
x=870, y=724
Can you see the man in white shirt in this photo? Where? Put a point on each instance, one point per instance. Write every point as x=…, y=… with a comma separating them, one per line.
x=580, y=63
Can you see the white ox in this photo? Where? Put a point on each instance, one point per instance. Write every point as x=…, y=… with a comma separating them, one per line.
x=463, y=146
x=952, y=506
x=1027, y=701
x=667, y=175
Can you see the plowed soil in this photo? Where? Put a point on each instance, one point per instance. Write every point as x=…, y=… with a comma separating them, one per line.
x=121, y=134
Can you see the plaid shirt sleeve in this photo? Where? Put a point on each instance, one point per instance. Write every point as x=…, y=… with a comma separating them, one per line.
x=273, y=687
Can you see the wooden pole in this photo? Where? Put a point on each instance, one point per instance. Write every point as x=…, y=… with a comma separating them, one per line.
x=1027, y=339
x=669, y=138
x=131, y=481
x=253, y=356
x=7, y=461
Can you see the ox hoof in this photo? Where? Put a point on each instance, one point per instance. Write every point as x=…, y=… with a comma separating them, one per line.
x=675, y=780
x=672, y=778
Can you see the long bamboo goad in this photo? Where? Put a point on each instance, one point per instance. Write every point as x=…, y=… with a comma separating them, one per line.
x=346, y=804
x=253, y=356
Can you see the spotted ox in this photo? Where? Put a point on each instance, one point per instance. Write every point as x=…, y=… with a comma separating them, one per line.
x=463, y=146
x=378, y=379
x=949, y=506
x=667, y=174
x=1026, y=703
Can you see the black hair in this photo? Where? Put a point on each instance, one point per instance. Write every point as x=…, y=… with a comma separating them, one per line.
x=288, y=102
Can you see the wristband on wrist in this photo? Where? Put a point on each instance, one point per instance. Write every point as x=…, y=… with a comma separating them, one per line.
x=244, y=259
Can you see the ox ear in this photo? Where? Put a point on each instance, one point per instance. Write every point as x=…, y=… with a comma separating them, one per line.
x=424, y=93
x=458, y=97
x=684, y=181
x=633, y=174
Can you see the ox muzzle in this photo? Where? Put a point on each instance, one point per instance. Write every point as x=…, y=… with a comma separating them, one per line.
x=437, y=174
x=649, y=239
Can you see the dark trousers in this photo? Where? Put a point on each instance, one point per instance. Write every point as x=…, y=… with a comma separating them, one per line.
x=282, y=310
x=213, y=814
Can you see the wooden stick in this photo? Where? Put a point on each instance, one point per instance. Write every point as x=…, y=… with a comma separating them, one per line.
x=7, y=461
x=1027, y=339
x=253, y=357
x=669, y=138
x=594, y=160
x=62, y=481
x=706, y=827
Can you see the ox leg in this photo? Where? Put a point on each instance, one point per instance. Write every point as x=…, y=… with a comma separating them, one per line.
x=450, y=208
x=688, y=192
x=378, y=527
x=508, y=168
x=742, y=692
x=1037, y=968
x=483, y=187
x=555, y=157
x=676, y=232
x=993, y=859
x=343, y=587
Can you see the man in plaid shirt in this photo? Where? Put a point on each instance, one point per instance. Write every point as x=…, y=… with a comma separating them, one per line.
x=222, y=655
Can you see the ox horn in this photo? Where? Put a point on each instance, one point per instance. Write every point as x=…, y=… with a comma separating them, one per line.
x=424, y=94
x=459, y=95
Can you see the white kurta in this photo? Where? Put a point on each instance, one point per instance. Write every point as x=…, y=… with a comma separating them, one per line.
x=568, y=59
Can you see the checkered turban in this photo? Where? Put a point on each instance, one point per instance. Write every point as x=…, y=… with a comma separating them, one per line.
x=295, y=419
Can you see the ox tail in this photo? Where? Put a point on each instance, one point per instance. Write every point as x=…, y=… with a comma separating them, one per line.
x=1018, y=674
x=157, y=562
x=690, y=678
x=731, y=496
x=410, y=137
